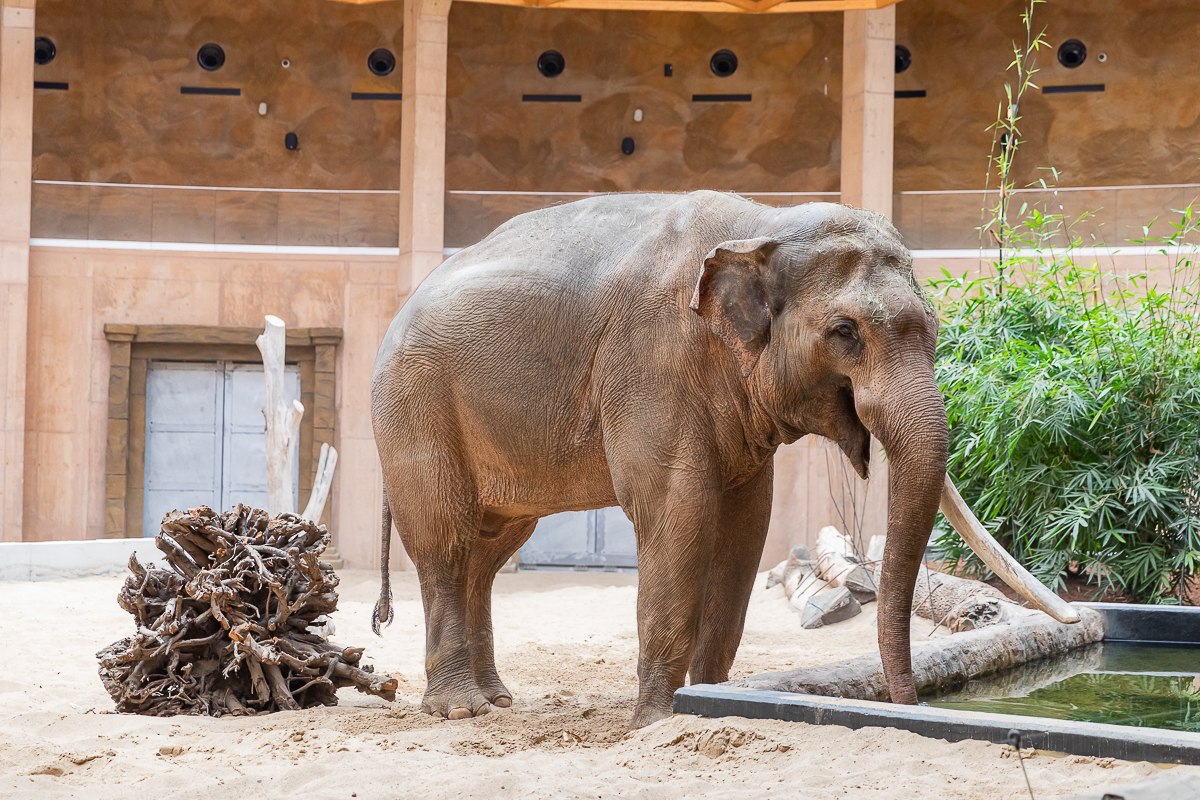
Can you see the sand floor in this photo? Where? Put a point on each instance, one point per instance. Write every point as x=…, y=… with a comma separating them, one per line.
x=566, y=645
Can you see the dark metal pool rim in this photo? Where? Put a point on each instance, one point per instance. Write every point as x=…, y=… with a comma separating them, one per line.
x=1123, y=623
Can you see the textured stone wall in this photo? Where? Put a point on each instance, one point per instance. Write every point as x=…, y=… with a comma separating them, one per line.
x=124, y=120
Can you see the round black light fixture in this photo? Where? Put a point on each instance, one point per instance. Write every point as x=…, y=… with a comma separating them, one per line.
x=44, y=50
x=210, y=57
x=723, y=63
x=627, y=145
x=903, y=58
x=381, y=61
x=291, y=141
x=1072, y=53
x=551, y=63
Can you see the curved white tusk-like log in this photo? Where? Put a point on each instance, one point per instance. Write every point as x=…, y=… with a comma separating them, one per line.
x=999, y=560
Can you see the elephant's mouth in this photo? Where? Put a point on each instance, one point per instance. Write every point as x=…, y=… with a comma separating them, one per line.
x=851, y=435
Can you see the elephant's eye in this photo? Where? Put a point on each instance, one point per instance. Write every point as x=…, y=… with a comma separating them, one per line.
x=844, y=329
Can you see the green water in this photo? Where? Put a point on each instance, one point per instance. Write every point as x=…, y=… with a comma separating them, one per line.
x=1148, y=685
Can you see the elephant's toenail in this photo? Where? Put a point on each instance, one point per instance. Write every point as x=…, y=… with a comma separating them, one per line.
x=502, y=702
x=460, y=713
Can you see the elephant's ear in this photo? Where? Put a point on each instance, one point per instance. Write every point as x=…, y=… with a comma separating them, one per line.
x=731, y=296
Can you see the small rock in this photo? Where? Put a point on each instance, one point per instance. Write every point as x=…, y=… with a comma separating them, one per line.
x=800, y=552
x=170, y=750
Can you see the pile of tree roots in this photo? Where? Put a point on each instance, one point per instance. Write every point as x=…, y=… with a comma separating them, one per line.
x=237, y=624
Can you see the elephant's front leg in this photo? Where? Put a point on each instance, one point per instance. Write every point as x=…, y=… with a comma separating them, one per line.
x=745, y=516
x=675, y=546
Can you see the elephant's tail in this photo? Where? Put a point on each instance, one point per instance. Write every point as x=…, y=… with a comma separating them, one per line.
x=383, y=609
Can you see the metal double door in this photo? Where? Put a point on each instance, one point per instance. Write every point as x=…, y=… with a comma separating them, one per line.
x=598, y=539
x=206, y=437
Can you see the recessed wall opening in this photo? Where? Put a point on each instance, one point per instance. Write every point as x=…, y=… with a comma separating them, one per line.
x=723, y=63
x=381, y=62
x=1072, y=53
x=551, y=63
x=210, y=57
x=44, y=50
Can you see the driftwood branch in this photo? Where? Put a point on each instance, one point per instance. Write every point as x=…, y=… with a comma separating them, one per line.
x=321, y=484
x=228, y=627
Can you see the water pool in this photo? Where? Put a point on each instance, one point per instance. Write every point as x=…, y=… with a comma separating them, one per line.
x=1120, y=683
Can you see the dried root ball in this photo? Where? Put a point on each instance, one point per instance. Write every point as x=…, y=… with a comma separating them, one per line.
x=225, y=630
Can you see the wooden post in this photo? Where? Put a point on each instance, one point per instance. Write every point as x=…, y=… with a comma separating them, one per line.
x=423, y=139
x=283, y=420
x=16, y=163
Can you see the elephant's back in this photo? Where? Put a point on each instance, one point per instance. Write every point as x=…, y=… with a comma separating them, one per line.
x=574, y=266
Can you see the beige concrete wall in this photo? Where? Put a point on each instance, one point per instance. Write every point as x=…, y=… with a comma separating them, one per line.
x=74, y=292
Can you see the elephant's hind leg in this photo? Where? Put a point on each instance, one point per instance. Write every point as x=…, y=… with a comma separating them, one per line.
x=498, y=539
x=745, y=514
x=438, y=519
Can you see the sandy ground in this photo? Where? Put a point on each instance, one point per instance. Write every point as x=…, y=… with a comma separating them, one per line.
x=566, y=646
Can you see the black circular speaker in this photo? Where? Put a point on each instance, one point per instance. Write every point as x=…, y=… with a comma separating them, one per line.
x=1072, y=53
x=381, y=61
x=551, y=63
x=627, y=145
x=723, y=63
x=44, y=50
x=903, y=58
x=210, y=57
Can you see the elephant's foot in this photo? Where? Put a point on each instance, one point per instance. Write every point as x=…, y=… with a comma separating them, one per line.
x=648, y=715
x=493, y=688
x=458, y=700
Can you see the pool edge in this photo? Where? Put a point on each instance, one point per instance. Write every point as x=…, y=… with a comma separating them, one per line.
x=1099, y=740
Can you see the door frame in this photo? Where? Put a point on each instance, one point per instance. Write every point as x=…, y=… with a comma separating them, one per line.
x=132, y=347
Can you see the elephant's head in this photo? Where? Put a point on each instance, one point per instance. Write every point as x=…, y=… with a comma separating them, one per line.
x=834, y=337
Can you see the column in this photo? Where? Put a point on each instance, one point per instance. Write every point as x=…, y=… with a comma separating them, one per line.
x=868, y=99
x=16, y=154
x=868, y=95
x=423, y=139
x=116, y=458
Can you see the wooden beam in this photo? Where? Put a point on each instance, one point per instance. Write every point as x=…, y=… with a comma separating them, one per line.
x=703, y=6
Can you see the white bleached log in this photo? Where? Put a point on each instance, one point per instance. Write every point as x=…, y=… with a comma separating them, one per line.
x=836, y=564
x=283, y=420
x=875, y=548
x=807, y=588
x=321, y=484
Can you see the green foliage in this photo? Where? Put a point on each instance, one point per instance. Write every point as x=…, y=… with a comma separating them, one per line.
x=1073, y=397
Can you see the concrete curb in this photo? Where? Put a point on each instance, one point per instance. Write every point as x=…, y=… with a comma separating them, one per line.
x=1159, y=787
x=1078, y=738
x=1126, y=622
x=43, y=561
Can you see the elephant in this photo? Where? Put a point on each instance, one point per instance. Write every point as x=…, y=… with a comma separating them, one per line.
x=654, y=351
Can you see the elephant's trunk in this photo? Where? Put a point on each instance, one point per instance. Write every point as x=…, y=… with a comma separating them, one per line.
x=914, y=434
x=915, y=437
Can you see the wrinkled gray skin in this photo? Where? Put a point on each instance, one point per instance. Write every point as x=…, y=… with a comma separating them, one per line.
x=651, y=351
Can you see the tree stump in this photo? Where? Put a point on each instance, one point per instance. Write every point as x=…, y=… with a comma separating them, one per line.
x=234, y=625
